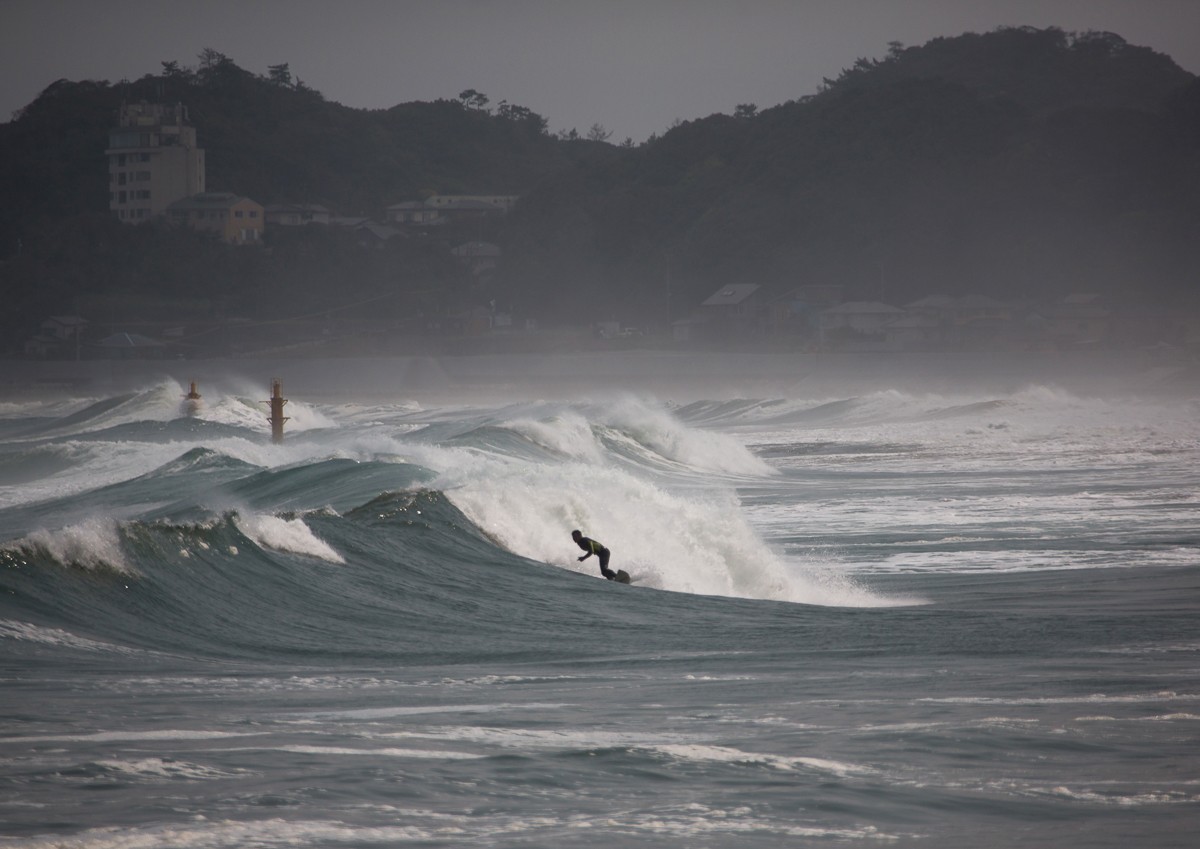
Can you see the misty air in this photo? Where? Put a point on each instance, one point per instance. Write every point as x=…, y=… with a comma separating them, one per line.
x=652, y=424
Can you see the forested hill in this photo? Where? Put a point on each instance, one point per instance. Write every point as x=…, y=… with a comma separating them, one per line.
x=1015, y=162
x=276, y=140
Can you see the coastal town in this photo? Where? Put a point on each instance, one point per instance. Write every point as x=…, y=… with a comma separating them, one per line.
x=157, y=173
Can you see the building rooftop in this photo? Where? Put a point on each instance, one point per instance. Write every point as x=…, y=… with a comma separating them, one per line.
x=208, y=200
x=732, y=294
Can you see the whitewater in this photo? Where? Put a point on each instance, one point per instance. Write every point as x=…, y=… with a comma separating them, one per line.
x=895, y=611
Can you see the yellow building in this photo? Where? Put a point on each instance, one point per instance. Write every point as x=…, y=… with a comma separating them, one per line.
x=231, y=218
x=153, y=161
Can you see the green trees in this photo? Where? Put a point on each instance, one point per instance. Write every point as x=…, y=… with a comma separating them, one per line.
x=1020, y=162
x=1017, y=162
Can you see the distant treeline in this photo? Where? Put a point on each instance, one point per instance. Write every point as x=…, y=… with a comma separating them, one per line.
x=1020, y=162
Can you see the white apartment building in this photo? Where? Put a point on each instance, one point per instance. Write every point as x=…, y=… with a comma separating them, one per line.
x=153, y=161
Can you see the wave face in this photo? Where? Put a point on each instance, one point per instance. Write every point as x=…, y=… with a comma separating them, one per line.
x=166, y=530
x=920, y=618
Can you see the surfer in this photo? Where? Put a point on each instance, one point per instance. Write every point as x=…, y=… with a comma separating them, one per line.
x=593, y=547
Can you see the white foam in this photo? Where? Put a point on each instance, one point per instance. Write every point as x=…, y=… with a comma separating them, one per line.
x=1166, y=717
x=725, y=754
x=92, y=466
x=651, y=425
x=1090, y=699
x=28, y=632
x=567, y=433
x=129, y=736
x=1119, y=799
x=574, y=739
x=237, y=834
x=431, y=827
x=696, y=542
x=383, y=753
x=94, y=543
x=290, y=535
x=160, y=768
x=388, y=712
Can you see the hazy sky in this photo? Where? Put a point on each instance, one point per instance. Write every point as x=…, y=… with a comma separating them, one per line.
x=634, y=66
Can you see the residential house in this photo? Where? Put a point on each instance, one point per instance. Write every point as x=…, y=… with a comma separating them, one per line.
x=500, y=203
x=372, y=235
x=970, y=321
x=914, y=332
x=865, y=317
x=734, y=309
x=297, y=214
x=414, y=213
x=439, y=210
x=799, y=310
x=57, y=335
x=349, y=222
x=231, y=218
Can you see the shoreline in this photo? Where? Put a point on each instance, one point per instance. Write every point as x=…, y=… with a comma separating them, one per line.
x=686, y=375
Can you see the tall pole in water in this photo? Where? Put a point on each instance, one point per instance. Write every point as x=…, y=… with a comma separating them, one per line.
x=191, y=401
x=277, y=417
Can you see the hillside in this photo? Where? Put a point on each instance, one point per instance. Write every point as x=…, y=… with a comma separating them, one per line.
x=1017, y=163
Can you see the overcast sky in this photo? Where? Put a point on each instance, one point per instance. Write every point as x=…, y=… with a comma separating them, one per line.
x=633, y=66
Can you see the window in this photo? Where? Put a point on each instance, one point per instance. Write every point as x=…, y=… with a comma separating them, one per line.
x=237, y=213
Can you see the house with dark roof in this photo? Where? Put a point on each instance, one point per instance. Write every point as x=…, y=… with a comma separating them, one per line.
x=58, y=334
x=439, y=210
x=734, y=309
x=297, y=214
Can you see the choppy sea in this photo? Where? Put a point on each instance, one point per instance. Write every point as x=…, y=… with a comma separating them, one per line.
x=955, y=618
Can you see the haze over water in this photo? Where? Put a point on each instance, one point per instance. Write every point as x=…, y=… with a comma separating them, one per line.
x=927, y=601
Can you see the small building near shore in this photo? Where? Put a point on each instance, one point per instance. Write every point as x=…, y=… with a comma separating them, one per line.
x=297, y=214
x=866, y=317
x=734, y=309
x=231, y=218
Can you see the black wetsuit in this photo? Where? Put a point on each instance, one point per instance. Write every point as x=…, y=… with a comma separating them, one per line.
x=593, y=547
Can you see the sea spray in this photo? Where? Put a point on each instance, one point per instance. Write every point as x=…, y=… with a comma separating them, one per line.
x=290, y=535
x=93, y=544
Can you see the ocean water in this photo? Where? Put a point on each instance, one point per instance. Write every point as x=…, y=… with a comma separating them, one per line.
x=894, y=617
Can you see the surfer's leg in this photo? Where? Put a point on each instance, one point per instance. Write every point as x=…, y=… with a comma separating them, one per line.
x=604, y=570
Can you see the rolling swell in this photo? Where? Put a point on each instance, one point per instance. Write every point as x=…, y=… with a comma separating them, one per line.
x=403, y=575
x=383, y=540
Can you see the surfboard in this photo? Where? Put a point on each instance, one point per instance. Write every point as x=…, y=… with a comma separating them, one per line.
x=622, y=577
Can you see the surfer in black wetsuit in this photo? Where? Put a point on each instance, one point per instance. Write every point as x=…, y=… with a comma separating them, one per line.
x=593, y=547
